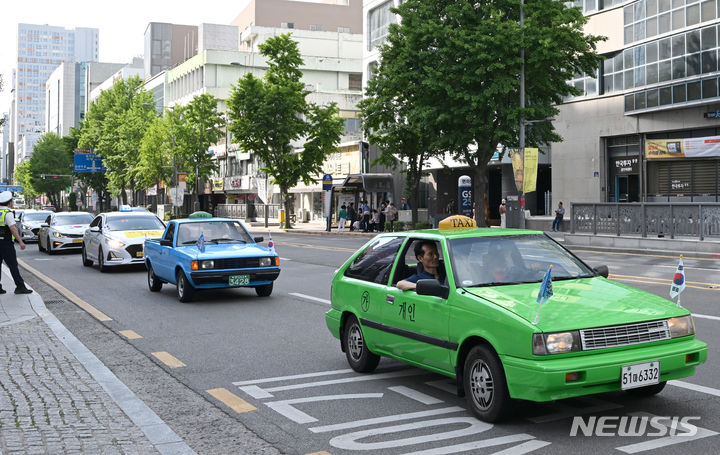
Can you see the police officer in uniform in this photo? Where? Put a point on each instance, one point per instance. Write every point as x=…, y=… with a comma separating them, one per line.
x=7, y=248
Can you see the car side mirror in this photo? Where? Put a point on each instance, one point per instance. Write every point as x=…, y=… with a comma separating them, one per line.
x=166, y=242
x=95, y=229
x=258, y=239
x=601, y=270
x=44, y=225
x=432, y=287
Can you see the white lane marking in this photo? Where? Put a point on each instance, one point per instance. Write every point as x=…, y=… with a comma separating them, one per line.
x=565, y=411
x=255, y=392
x=695, y=387
x=297, y=376
x=393, y=418
x=415, y=395
x=444, y=385
x=309, y=297
x=372, y=377
x=664, y=441
x=705, y=316
x=687, y=268
x=526, y=447
x=285, y=259
x=43, y=259
x=287, y=409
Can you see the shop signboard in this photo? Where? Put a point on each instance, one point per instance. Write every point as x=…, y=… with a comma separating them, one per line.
x=625, y=165
x=465, y=199
x=695, y=147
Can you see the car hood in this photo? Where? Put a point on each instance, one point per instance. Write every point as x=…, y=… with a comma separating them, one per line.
x=76, y=229
x=226, y=250
x=33, y=224
x=580, y=304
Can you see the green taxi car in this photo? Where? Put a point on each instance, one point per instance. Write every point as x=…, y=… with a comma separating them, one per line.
x=468, y=309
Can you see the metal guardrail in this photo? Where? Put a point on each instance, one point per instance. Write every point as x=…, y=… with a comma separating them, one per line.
x=251, y=212
x=697, y=220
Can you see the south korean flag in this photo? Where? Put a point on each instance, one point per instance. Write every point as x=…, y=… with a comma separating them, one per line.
x=678, y=283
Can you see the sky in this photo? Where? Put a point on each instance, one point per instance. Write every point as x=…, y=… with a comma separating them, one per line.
x=122, y=24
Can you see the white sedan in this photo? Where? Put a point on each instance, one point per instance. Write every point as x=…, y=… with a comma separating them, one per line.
x=117, y=238
x=63, y=231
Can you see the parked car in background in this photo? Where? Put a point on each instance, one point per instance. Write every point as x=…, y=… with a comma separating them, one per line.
x=28, y=223
x=63, y=231
x=49, y=207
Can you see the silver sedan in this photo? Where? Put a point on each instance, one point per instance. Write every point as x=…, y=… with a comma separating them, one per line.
x=63, y=231
x=28, y=223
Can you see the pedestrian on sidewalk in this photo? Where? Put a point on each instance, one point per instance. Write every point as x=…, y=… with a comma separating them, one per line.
x=365, y=217
x=382, y=211
x=502, y=211
x=559, y=214
x=391, y=215
x=351, y=215
x=7, y=248
x=342, y=216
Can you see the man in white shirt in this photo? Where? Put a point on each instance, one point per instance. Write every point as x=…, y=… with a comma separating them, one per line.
x=8, y=230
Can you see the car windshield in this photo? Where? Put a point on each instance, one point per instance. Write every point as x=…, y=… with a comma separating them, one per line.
x=75, y=218
x=490, y=261
x=35, y=216
x=213, y=232
x=133, y=223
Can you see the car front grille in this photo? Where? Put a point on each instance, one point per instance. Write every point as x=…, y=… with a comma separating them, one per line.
x=236, y=263
x=133, y=250
x=624, y=335
x=73, y=236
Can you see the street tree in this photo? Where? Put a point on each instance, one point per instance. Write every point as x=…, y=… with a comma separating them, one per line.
x=270, y=114
x=199, y=127
x=114, y=126
x=22, y=176
x=97, y=181
x=51, y=167
x=156, y=153
x=465, y=57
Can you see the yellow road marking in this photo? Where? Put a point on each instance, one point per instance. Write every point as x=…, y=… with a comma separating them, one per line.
x=659, y=282
x=231, y=400
x=168, y=359
x=319, y=453
x=99, y=315
x=646, y=255
x=663, y=280
x=130, y=334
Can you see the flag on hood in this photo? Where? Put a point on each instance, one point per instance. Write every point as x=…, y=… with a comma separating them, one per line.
x=678, y=283
x=201, y=242
x=271, y=244
x=545, y=292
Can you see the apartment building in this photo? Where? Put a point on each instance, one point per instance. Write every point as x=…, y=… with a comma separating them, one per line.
x=166, y=45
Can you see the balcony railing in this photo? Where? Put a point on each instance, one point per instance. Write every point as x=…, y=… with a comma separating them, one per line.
x=647, y=219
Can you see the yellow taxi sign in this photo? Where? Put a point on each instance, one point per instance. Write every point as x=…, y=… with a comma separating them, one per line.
x=457, y=222
x=143, y=234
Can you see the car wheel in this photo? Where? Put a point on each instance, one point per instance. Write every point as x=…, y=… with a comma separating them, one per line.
x=185, y=290
x=40, y=248
x=153, y=283
x=101, y=261
x=264, y=290
x=647, y=391
x=86, y=262
x=485, y=385
x=48, y=246
x=358, y=355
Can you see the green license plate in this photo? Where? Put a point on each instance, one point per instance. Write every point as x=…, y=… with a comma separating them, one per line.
x=239, y=280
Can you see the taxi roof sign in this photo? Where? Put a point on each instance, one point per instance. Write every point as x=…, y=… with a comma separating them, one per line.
x=200, y=214
x=457, y=222
x=125, y=208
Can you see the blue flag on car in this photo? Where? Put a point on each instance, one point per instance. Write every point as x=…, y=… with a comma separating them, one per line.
x=545, y=292
x=201, y=242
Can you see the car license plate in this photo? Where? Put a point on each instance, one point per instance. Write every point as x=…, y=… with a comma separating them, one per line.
x=77, y=240
x=239, y=280
x=139, y=254
x=640, y=375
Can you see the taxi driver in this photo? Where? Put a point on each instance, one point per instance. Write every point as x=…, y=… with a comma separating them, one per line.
x=427, y=254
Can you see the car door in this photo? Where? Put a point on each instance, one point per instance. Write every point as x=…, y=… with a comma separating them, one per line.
x=418, y=324
x=43, y=233
x=364, y=286
x=162, y=262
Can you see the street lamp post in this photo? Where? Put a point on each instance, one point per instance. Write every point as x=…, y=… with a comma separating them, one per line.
x=522, y=118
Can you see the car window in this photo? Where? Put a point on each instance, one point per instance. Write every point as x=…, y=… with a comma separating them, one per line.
x=409, y=265
x=170, y=232
x=75, y=218
x=375, y=262
x=35, y=216
x=133, y=223
x=483, y=261
x=213, y=232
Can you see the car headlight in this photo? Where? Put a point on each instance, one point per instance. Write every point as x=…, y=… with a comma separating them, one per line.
x=115, y=244
x=266, y=262
x=207, y=264
x=58, y=235
x=556, y=343
x=682, y=326
x=27, y=228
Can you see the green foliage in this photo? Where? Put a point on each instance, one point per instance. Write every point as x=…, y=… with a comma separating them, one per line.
x=22, y=176
x=422, y=225
x=269, y=114
x=51, y=156
x=72, y=201
x=459, y=65
x=156, y=153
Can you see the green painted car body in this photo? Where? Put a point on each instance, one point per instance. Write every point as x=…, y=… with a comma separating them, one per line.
x=630, y=326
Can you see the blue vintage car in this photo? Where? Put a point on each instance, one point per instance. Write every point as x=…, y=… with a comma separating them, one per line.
x=209, y=253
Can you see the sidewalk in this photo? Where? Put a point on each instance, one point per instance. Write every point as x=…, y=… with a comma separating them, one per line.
x=57, y=397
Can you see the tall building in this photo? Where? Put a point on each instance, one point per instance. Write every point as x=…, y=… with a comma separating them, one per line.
x=647, y=124
x=41, y=48
x=166, y=45
x=4, y=140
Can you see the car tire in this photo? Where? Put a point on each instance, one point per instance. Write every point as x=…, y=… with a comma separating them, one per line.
x=485, y=385
x=48, y=246
x=101, y=261
x=647, y=391
x=358, y=355
x=40, y=248
x=153, y=282
x=185, y=290
x=86, y=262
x=264, y=290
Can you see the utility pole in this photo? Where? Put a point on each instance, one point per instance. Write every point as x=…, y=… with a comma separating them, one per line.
x=522, y=116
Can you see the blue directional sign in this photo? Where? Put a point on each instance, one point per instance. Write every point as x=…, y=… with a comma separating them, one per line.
x=88, y=162
x=11, y=188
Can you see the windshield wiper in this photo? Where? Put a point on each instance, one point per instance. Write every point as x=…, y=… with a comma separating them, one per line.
x=189, y=242
x=222, y=239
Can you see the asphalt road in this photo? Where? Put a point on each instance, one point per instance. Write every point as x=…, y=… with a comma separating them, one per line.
x=276, y=355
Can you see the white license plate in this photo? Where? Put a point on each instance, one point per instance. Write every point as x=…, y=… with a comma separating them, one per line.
x=77, y=240
x=640, y=375
x=239, y=280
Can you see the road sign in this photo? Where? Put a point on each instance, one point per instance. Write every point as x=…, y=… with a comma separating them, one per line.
x=88, y=162
x=11, y=188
